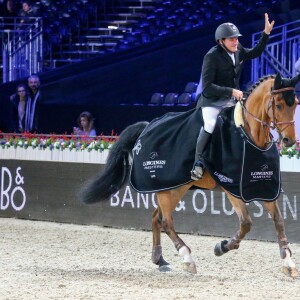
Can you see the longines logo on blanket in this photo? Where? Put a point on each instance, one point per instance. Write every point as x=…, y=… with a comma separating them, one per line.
x=153, y=155
x=153, y=163
x=263, y=174
x=223, y=178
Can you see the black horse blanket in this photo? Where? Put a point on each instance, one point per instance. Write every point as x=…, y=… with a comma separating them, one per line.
x=163, y=157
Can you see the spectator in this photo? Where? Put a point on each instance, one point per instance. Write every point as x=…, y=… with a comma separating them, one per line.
x=86, y=125
x=27, y=11
x=11, y=9
x=18, y=103
x=10, y=12
x=32, y=107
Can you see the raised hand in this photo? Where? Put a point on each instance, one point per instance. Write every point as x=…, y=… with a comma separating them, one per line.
x=268, y=25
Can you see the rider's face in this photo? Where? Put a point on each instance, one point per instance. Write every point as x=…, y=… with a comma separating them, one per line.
x=231, y=43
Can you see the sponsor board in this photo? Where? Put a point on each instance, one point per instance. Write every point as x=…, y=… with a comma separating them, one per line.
x=12, y=191
x=48, y=191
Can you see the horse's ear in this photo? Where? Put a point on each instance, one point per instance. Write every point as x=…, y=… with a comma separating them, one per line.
x=294, y=80
x=277, y=82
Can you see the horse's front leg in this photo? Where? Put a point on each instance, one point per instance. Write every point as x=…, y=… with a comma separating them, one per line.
x=157, y=257
x=245, y=226
x=289, y=267
x=167, y=201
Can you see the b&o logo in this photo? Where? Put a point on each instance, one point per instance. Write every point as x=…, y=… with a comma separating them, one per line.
x=12, y=191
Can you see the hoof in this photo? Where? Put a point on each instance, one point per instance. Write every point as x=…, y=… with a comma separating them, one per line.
x=291, y=272
x=162, y=262
x=218, y=251
x=220, y=248
x=165, y=268
x=190, y=267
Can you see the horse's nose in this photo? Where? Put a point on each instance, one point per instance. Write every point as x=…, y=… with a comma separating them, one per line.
x=288, y=142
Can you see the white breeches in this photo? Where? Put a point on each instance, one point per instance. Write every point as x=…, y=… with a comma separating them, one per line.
x=210, y=115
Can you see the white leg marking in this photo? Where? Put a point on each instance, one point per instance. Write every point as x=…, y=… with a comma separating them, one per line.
x=185, y=253
x=287, y=261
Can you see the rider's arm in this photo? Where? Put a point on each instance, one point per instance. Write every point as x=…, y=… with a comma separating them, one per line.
x=262, y=43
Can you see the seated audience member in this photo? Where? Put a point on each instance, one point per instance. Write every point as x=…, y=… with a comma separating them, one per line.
x=18, y=109
x=86, y=125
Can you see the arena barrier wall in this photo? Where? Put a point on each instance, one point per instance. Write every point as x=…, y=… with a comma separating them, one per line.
x=47, y=191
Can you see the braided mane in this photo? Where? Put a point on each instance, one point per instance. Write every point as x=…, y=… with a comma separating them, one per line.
x=256, y=84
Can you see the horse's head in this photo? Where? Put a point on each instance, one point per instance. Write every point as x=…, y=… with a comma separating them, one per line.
x=281, y=108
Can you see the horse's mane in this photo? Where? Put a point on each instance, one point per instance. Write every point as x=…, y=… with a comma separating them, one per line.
x=238, y=116
x=289, y=95
x=256, y=84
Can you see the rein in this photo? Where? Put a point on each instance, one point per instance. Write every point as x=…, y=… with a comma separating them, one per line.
x=273, y=124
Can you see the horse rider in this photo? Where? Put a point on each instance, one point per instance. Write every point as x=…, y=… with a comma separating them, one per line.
x=221, y=72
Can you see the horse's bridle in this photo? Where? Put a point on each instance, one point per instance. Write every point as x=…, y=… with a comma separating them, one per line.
x=270, y=105
x=274, y=124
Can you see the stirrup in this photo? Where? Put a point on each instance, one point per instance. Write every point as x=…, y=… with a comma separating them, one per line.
x=197, y=171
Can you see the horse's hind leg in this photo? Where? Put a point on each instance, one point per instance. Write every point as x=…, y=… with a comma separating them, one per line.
x=167, y=201
x=285, y=251
x=245, y=226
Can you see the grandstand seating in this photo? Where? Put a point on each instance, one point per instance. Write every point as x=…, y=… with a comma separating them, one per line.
x=171, y=99
x=185, y=99
x=156, y=99
x=83, y=29
x=191, y=87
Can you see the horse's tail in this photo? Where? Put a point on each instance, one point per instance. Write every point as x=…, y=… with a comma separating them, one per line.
x=116, y=170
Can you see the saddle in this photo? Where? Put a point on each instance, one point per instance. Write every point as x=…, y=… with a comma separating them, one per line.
x=164, y=155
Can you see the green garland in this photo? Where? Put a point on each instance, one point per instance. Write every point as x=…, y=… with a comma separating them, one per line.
x=61, y=142
x=80, y=143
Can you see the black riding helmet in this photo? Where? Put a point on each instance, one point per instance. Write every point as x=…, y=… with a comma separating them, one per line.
x=226, y=30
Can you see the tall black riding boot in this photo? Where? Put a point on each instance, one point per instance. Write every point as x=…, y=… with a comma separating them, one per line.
x=202, y=141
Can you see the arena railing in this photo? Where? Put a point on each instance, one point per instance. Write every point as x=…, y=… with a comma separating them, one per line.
x=22, y=47
x=281, y=53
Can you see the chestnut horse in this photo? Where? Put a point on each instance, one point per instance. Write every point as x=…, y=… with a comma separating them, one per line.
x=271, y=104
